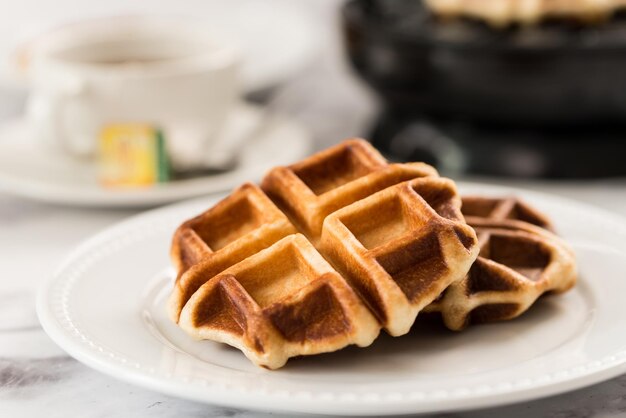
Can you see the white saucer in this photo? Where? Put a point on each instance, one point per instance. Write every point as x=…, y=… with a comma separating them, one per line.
x=29, y=169
x=105, y=306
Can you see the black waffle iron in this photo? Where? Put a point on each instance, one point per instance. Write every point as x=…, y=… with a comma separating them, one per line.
x=541, y=101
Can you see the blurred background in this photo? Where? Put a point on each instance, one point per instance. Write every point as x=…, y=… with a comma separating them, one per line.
x=129, y=103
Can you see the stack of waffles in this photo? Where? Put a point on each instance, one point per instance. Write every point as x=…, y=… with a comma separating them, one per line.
x=332, y=249
x=504, y=12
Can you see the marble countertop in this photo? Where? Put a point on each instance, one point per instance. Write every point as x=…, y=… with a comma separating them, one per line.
x=38, y=379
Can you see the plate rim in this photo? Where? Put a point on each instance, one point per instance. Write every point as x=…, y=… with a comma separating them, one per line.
x=562, y=381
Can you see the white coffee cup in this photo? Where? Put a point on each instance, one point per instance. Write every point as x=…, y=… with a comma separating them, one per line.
x=169, y=73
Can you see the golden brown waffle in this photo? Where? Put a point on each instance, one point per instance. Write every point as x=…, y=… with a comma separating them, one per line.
x=237, y=227
x=511, y=211
x=504, y=12
x=312, y=189
x=247, y=280
x=283, y=301
x=401, y=247
x=519, y=260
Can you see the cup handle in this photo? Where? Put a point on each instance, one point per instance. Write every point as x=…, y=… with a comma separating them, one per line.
x=72, y=89
x=48, y=109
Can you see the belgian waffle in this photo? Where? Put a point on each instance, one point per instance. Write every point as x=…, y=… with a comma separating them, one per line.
x=401, y=247
x=519, y=260
x=283, y=301
x=312, y=189
x=507, y=210
x=247, y=279
x=508, y=213
x=504, y=12
x=237, y=227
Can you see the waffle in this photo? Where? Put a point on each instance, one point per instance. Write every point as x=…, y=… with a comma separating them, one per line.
x=312, y=189
x=519, y=260
x=237, y=227
x=505, y=12
x=509, y=209
x=283, y=301
x=401, y=247
x=508, y=213
x=279, y=271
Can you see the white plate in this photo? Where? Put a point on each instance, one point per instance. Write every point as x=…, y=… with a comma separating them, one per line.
x=277, y=38
x=105, y=306
x=29, y=169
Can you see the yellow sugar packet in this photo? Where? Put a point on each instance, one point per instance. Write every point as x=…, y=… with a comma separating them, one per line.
x=132, y=154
